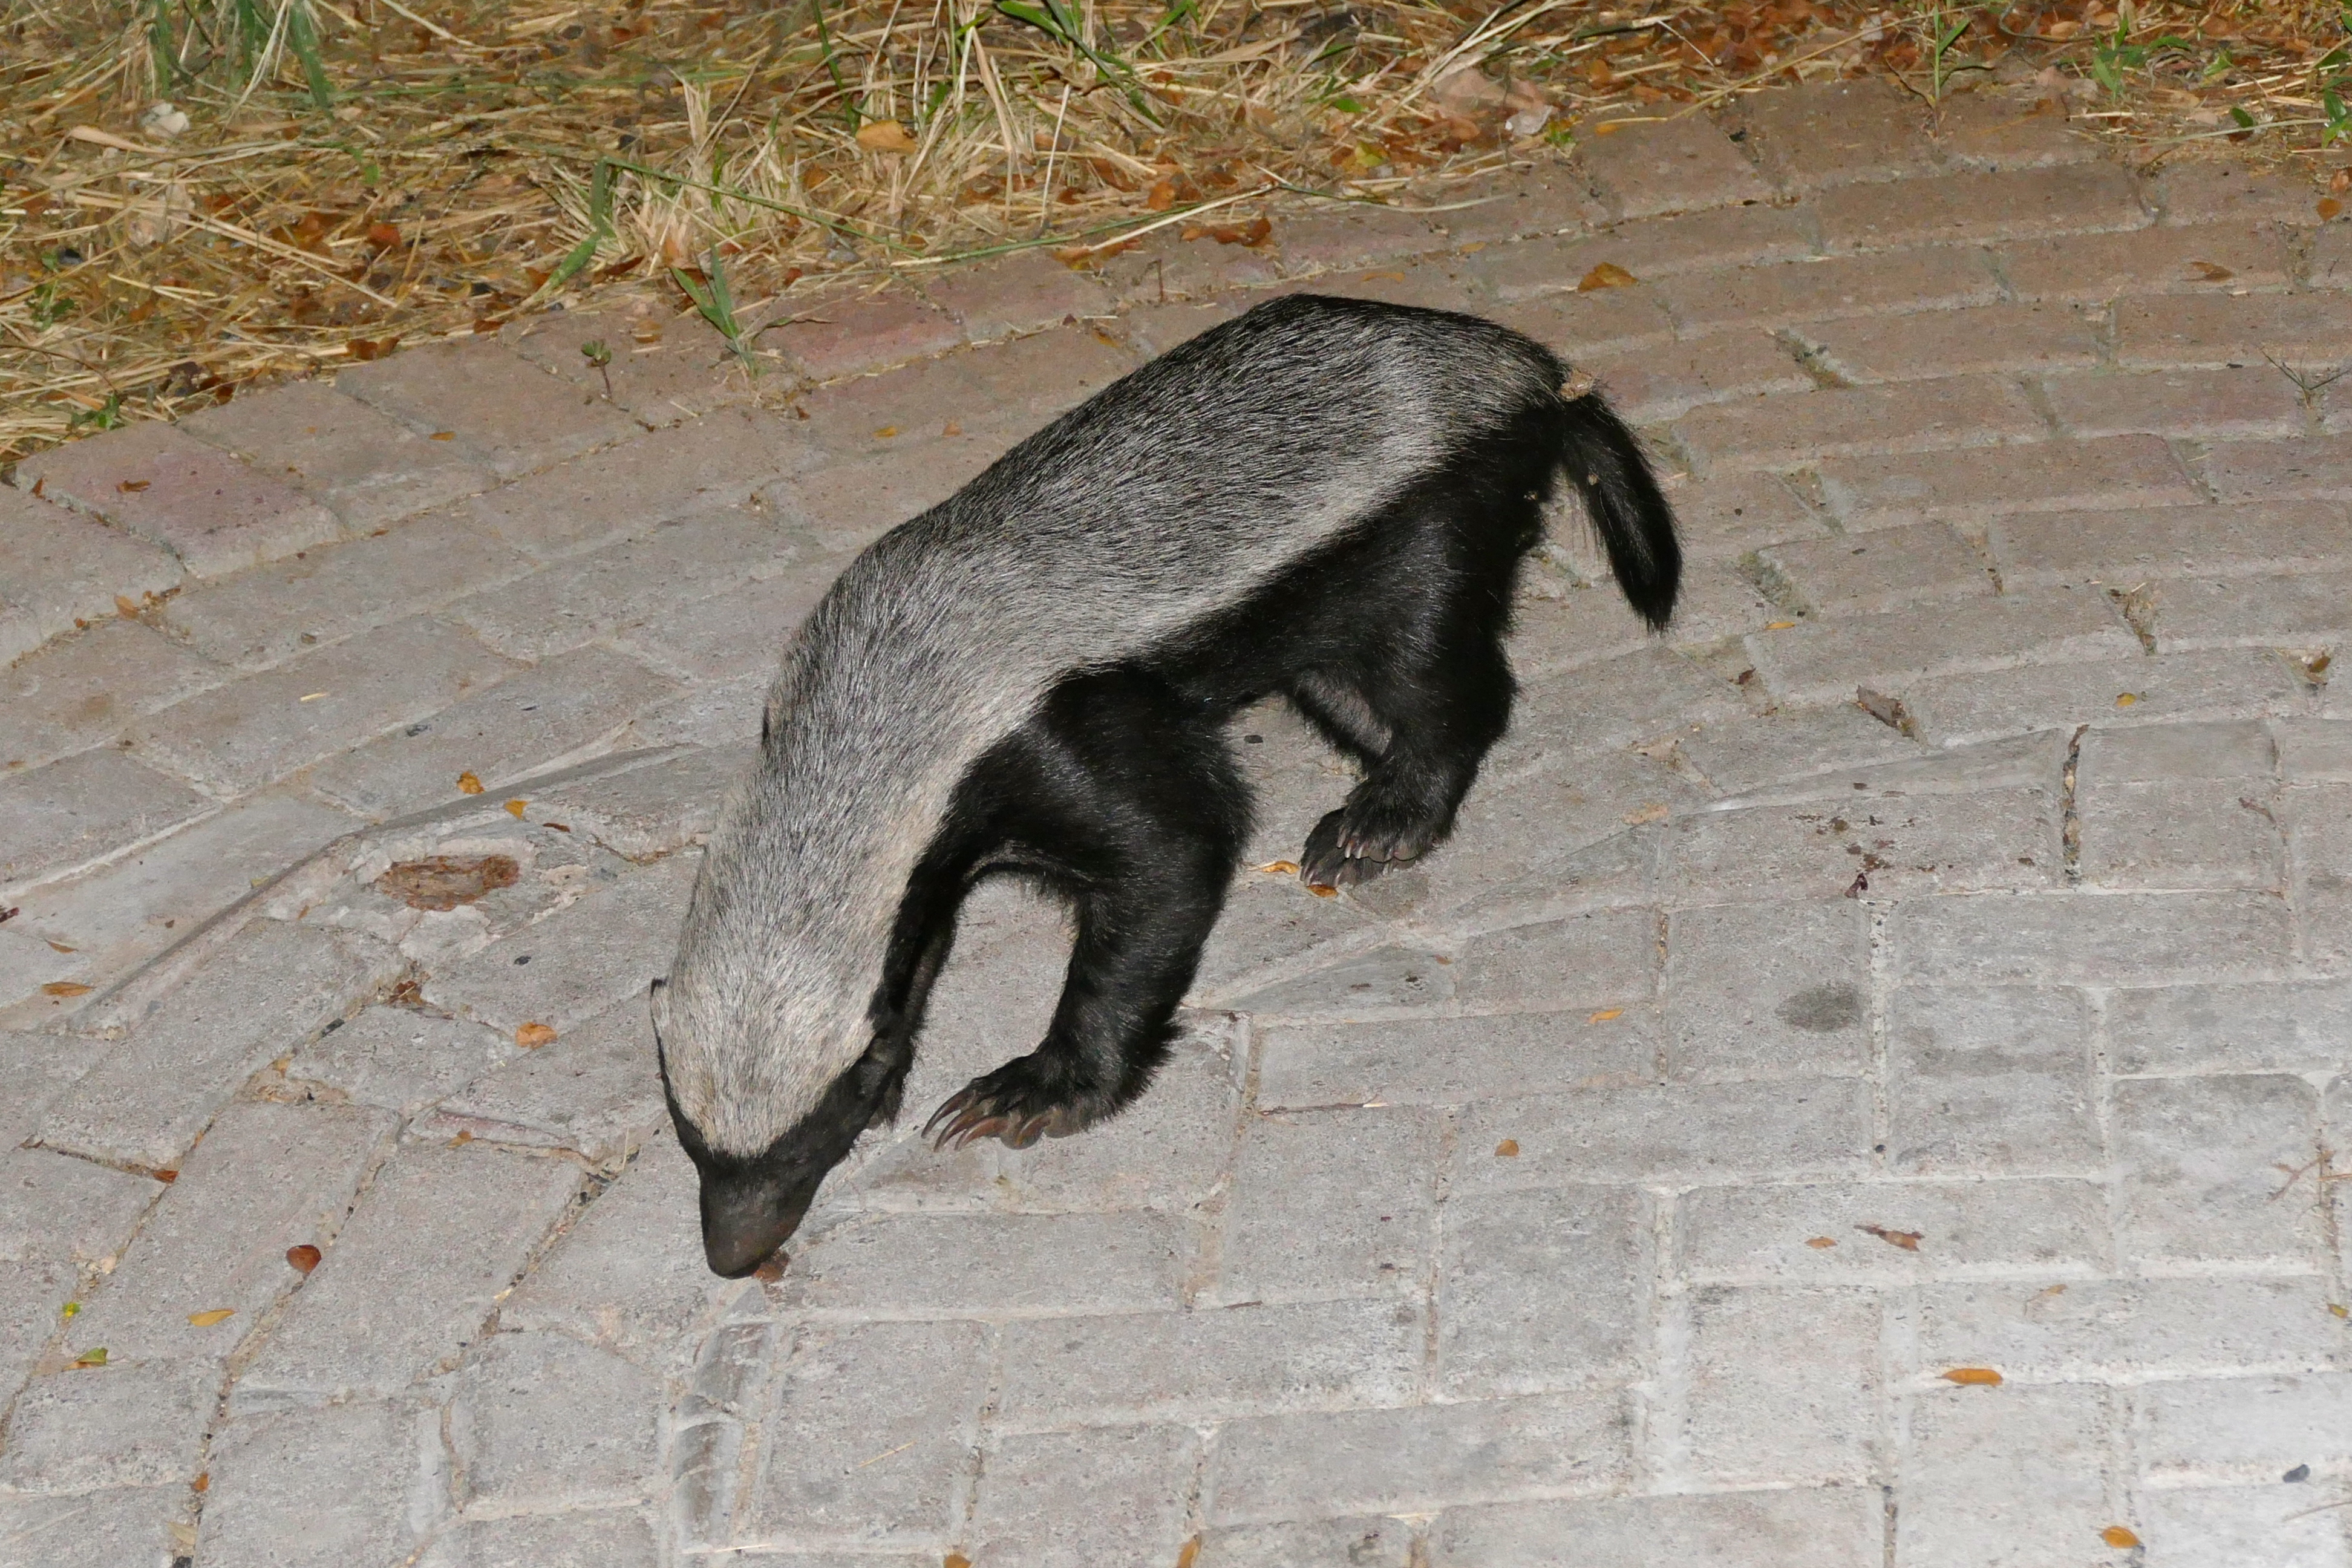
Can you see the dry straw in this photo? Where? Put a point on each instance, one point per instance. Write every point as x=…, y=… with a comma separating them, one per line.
x=196, y=193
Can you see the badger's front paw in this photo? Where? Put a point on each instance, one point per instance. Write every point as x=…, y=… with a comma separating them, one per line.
x=1027, y=1099
x=1362, y=839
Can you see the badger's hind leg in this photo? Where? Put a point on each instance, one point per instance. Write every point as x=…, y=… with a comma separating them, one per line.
x=1121, y=796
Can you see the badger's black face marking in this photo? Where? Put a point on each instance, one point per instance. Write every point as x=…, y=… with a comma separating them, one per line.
x=1325, y=499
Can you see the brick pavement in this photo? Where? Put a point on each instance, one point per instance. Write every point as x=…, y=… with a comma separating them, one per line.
x=1935, y=954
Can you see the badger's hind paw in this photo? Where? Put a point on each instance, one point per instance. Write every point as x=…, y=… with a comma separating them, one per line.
x=1360, y=841
x=1014, y=1105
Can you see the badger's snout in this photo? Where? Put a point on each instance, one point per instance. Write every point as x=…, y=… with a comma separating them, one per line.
x=746, y=1216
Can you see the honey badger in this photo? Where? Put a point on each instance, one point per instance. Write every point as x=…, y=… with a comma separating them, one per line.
x=1326, y=499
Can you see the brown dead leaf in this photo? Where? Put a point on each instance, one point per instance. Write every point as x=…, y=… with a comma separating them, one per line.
x=955, y=1560
x=1160, y=197
x=217, y=1315
x=302, y=1258
x=470, y=782
x=1973, y=1377
x=531, y=1036
x=465, y=1136
x=2116, y=1536
x=442, y=882
x=1820, y=1242
x=382, y=237
x=1608, y=275
x=1606, y=1013
x=1509, y=1149
x=94, y=1356
x=124, y=606
x=443, y=436
x=2329, y=209
x=885, y=136
x=2211, y=271
x=1278, y=867
x=1908, y=1240
x=1777, y=626
x=133, y=487
x=202, y=1483
x=515, y=807
x=1192, y=1551
x=2125, y=699
x=1321, y=892
x=773, y=1272
x=61, y=947
x=167, y=1175
x=65, y=988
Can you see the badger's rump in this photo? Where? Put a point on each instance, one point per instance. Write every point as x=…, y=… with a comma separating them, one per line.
x=1144, y=512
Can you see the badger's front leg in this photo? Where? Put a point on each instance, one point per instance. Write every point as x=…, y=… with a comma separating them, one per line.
x=1125, y=798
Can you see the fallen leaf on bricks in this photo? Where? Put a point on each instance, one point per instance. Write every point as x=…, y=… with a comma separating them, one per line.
x=2211, y=271
x=61, y=947
x=202, y=1483
x=885, y=136
x=167, y=1175
x=1278, y=867
x=133, y=487
x=442, y=882
x=955, y=1560
x=1322, y=892
x=885, y=432
x=1509, y=1149
x=531, y=1036
x=65, y=988
x=465, y=1136
x=1606, y=1013
x=1820, y=1242
x=514, y=807
x=1973, y=1377
x=1653, y=811
x=2116, y=1536
x=2339, y=1309
x=469, y=783
x=94, y=1356
x=1777, y=626
x=1608, y=275
x=773, y=1271
x=2125, y=699
x=217, y=1315
x=2329, y=209
x=1908, y=1240
x=1184, y=1559
x=302, y=1258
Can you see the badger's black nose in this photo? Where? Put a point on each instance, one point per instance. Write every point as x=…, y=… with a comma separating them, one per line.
x=746, y=1217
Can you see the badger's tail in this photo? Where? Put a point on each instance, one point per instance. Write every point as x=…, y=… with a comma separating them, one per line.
x=1603, y=460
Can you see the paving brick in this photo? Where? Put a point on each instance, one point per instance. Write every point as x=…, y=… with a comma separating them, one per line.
x=1696, y=1133
x=1649, y=249
x=2123, y=939
x=82, y=690
x=2209, y=258
x=1982, y=340
x=597, y=1091
x=2180, y=833
x=1937, y=278
x=592, y=1538
x=1967, y=485
x=2317, y=467
x=96, y=1530
x=1612, y=703
x=657, y=575
x=1371, y=1542
x=1989, y=206
x=1604, y=322
x=215, y=513
x=847, y=506
x=84, y=809
x=1416, y=1459
x=58, y=1210
x=264, y=616
x=497, y=409
x=2313, y=750
x=1446, y=1062
x=1923, y=563
x=591, y=956
x=1326, y=238
x=1989, y=1081
x=1209, y=1362
x=649, y=811
x=561, y=708
x=1832, y=133
x=62, y=569
x=2211, y=1527
x=2253, y=401
x=542, y=1421
x=148, y=898
x=1880, y=776
x=2319, y=849
x=1912, y=416
x=1673, y=165
x=265, y=1177
x=1792, y=751
x=2003, y=1475
x=1138, y=1481
x=2247, y=1428
x=1734, y=513
x=29, y=965
x=368, y=470
x=1767, y=991
x=664, y=369
x=1780, y=1386
x=240, y=736
x=440, y=1234
x=829, y=338
x=1584, y=623
x=1164, y=267
x=2330, y=258
x=1024, y=293
x=2192, y=193
x=2101, y=1330
x=127, y=1425
x=705, y=466
x=398, y=1058
x=1330, y=1204
x=1169, y=1152
x=1666, y=381
x=738, y=632
x=312, y=1489
x=1549, y=198
x=2215, y=331
x=2297, y=611
x=1964, y=710
x=149, y=1099
x=2197, y=1158
x=910, y=1390
x=2293, y=1027
x=2127, y=547
x=1540, y=1290
x=2226, y=750
x=629, y=1274
x=1989, y=130
x=964, y=1265
x=996, y=392
x=1596, y=959
x=1829, y=1527
x=1822, y=661
x=1745, y=1235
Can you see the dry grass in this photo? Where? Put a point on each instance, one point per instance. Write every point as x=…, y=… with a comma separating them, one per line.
x=351, y=174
